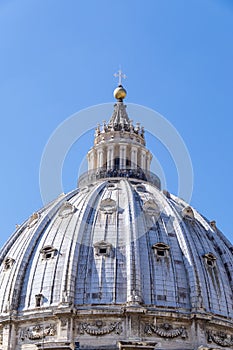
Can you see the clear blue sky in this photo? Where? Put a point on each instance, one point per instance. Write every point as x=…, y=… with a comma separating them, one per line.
x=58, y=57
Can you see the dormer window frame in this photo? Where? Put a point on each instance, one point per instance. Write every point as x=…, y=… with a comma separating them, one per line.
x=33, y=220
x=188, y=213
x=161, y=250
x=213, y=225
x=8, y=263
x=39, y=299
x=66, y=209
x=210, y=260
x=108, y=206
x=103, y=248
x=48, y=252
x=151, y=208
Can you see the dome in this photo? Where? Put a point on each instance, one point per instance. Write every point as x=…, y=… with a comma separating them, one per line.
x=117, y=263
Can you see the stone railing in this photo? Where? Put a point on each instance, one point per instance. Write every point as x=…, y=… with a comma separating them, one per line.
x=129, y=173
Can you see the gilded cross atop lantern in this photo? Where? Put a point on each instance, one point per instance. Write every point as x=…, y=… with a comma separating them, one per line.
x=120, y=75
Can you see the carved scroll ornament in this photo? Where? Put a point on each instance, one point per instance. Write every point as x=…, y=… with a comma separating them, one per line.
x=220, y=338
x=99, y=328
x=38, y=332
x=166, y=331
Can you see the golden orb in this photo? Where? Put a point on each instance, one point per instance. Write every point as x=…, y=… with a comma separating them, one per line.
x=119, y=93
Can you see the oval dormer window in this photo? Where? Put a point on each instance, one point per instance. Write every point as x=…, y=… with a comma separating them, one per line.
x=141, y=188
x=111, y=185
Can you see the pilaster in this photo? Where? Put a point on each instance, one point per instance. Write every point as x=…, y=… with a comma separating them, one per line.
x=133, y=157
x=122, y=156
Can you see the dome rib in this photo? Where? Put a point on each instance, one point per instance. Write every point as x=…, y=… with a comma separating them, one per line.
x=188, y=259
x=85, y=255
x=134, y=293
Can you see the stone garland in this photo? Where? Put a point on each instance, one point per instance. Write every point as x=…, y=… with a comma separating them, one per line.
x=220, y=338
x=38, y=332
x=99, y=328
x=166, y=331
